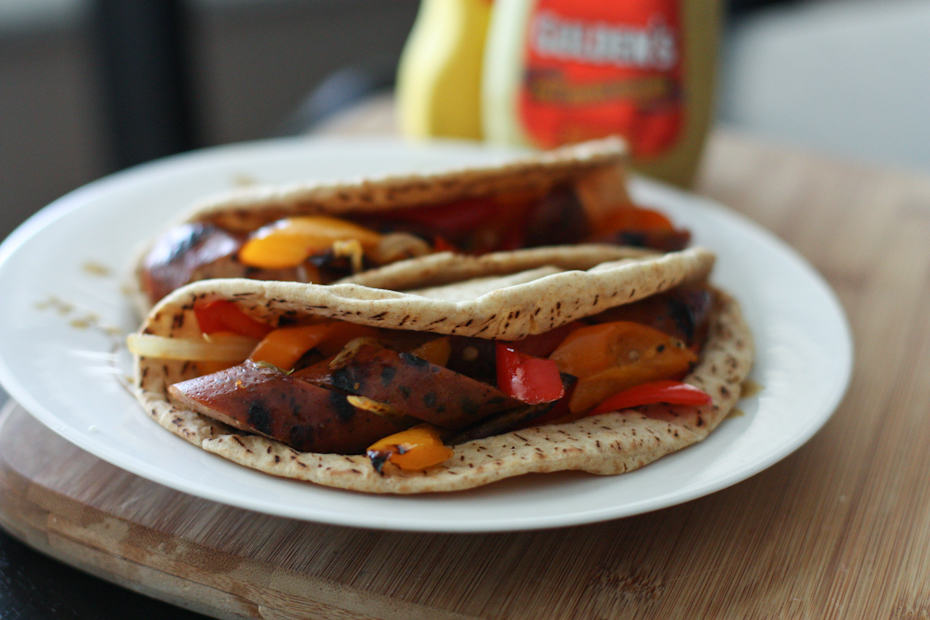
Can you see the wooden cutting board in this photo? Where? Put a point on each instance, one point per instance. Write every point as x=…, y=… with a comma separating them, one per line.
x=840, y=528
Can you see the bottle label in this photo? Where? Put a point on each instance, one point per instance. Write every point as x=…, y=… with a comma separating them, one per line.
x=595, y=68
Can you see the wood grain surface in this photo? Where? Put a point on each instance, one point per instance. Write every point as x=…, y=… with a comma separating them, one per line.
x=841, y=528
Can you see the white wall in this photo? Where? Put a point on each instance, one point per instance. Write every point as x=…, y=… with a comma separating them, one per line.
x=848, y=77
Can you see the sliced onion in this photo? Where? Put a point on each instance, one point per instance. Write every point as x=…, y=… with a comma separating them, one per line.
x=397, y=246
x=373, y=406
x=352, y=249
x=227, y=348
x=349, y=350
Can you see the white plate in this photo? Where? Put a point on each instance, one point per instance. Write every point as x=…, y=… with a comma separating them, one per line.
x=62, y=360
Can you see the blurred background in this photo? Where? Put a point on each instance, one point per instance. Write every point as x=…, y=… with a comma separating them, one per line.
x=850, y=78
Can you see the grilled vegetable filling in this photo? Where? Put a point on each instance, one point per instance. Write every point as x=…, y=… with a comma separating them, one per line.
x=323, y=249
x=332, y=386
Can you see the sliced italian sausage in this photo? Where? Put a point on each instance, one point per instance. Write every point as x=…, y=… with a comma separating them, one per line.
x=265, y=400
x=197, y=251
x=411, y=385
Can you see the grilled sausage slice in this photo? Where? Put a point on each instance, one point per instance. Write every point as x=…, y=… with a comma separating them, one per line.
x=264, y=400
x=198, y=251
x=410, y=384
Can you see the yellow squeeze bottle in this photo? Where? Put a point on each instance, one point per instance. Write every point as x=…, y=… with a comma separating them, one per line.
x=439, y=76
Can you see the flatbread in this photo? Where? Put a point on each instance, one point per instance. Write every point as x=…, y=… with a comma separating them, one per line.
x=510, y=313
x=447, y=267
x=605, y=444
x=249, y=208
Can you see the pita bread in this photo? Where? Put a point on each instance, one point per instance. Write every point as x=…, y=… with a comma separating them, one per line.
x=251, y=207
x=247, y=209
x=605, y=444
x=447, y=267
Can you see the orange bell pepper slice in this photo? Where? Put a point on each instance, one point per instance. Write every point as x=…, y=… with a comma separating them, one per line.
x=414, y=449
x=595, y=388
x=610, y=357
x=634, y=218
x=284, y=346
x=435, y=351
x=641, y=227
x=290, y=241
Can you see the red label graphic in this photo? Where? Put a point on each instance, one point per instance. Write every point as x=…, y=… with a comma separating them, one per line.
x=595, y=68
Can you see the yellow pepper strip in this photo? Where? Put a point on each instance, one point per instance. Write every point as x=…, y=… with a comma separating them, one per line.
x=413, y=449
x=284, y=346
x=288, y=242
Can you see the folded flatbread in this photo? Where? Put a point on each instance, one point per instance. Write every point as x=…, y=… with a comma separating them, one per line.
x=325, y=232
x=511, y=308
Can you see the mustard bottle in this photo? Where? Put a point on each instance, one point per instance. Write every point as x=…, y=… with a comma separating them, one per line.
x=560, y=71
x=439, y=75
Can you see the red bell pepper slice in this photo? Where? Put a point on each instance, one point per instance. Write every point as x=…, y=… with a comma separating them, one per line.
x=220, y=315
x=440, y=244
x=671, y=392
x=558, y=414
x=529, y=379
x=450, y=220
